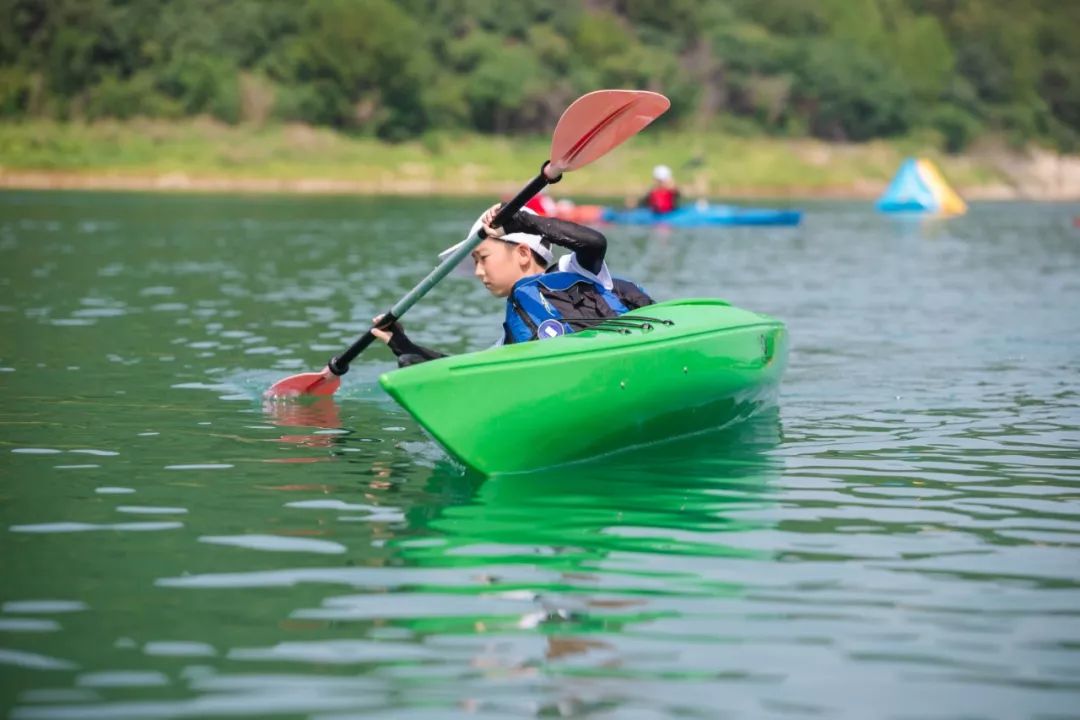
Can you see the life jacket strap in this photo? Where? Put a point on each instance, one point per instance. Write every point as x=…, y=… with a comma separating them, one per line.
x=621, y=324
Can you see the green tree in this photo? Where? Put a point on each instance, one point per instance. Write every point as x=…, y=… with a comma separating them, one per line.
x=849, y=94
x=358, y=67
x=400, y=68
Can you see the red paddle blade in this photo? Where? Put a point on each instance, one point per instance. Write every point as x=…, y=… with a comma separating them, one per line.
x=320, y=383
x=600, y=121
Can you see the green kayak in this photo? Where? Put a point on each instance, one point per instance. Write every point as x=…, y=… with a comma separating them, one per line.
x=653, y=374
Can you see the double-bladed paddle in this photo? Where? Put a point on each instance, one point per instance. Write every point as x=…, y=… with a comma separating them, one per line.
x=592, y=126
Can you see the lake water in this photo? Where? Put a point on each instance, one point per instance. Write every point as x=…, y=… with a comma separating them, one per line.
x=898, y=539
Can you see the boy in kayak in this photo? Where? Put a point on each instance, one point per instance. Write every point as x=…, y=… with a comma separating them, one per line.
x=663, y=197
x=544, y=298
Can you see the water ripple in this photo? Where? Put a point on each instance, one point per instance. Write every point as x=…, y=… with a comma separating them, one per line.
x=900, y=540
x=277, y=543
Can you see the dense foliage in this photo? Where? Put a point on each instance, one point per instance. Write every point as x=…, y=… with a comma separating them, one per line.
x=836, y=69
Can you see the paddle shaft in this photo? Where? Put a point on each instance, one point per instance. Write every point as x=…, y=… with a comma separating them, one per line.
x=339, y=364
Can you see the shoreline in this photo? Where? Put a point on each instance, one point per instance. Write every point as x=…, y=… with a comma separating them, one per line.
x=179, y=182
x=204, y=156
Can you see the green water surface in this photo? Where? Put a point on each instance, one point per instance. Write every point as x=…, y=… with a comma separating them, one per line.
x=897, y=539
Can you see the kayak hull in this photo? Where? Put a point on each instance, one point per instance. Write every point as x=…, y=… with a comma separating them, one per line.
x=541, y=404
x=712, y=215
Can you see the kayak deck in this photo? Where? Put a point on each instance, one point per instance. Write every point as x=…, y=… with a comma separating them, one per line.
x=656, y=373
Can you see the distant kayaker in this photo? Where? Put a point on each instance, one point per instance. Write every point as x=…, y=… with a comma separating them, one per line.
x=663, y=196
x=544, y=298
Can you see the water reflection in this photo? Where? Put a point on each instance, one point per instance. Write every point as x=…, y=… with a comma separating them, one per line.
x=571, y=554
x=322, y=413
x=653, y=499
x=508, y=580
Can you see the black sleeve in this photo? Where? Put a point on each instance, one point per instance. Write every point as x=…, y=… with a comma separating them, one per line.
x=631, y=294
x=589, y=245
x=400, y=344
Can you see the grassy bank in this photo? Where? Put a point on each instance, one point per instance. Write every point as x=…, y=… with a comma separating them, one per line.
x=202, y=154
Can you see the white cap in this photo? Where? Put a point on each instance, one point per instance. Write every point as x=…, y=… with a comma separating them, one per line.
x=661, y=173
x=534, y=242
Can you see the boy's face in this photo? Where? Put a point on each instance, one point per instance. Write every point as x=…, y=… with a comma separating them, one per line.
x=501, y=264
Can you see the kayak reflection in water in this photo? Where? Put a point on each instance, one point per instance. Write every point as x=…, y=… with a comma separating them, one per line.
x=663, y=196
x=544, y=298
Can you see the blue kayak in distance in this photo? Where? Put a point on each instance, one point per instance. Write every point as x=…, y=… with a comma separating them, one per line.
x=695, y=216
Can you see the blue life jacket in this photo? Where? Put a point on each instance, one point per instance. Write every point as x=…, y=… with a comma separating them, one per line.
x=539, y=306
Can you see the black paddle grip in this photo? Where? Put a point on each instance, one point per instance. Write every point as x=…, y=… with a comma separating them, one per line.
x=339, y=364
x=508, y=210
